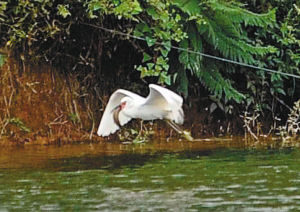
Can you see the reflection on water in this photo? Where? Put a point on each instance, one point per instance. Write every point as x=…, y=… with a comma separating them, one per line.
x=220, y=179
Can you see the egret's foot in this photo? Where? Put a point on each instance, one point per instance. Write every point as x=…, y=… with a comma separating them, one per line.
x=187, y=135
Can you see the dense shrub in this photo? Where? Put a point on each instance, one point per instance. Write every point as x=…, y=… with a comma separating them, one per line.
x=70, y=34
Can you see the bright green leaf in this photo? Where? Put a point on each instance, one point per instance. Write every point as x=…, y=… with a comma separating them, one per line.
x=150, y=65
x=63, y=10
x=146, y=57
x=164, y=52
x=150, y=41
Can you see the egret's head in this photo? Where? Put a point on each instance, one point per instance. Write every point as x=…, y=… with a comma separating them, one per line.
x=126, y=102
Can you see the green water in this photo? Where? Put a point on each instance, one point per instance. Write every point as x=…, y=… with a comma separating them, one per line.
x=193, y=180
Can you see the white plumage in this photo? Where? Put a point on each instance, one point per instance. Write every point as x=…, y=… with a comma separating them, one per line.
x=123, y=105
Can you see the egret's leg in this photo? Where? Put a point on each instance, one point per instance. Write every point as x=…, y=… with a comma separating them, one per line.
x=141, y=129
x=175, y=126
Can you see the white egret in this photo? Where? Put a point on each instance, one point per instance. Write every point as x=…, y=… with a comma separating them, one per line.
x=123, y=105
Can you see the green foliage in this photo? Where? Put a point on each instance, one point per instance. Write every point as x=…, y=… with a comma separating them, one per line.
x=273, y=92
x=74, y=118
x=2, y=10
x=213, y=27
x=57, y=32
x=2, y=60
x=164, y=26
x=19, y=123
x=63, y=10
x=288, y=58
x=221, y=26
x=217, y=28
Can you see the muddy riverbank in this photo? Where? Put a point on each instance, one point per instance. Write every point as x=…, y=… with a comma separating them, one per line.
x=41, y=105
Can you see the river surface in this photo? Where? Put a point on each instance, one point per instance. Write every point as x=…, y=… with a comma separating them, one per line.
x=209, y=176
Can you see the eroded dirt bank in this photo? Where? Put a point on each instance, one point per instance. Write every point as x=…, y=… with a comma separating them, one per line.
x=40, y=105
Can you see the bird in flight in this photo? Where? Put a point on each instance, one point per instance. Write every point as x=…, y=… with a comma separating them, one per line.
x=123, y=105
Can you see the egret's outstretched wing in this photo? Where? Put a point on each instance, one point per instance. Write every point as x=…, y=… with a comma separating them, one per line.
x=166, y=100
x=107, y=125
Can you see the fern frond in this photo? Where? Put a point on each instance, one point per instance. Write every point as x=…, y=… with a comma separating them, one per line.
x=191, y=7
x=239, y=50
x=230, y=43
x=219, y=25
x=209, y=76
x=237, y=14
x=214, y=82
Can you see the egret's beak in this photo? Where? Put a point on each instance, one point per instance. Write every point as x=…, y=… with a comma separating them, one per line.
x=115, y=108
x=120, y=107
x=116, y=112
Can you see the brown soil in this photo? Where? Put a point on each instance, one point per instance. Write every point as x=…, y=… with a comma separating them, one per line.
x=38, y=105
